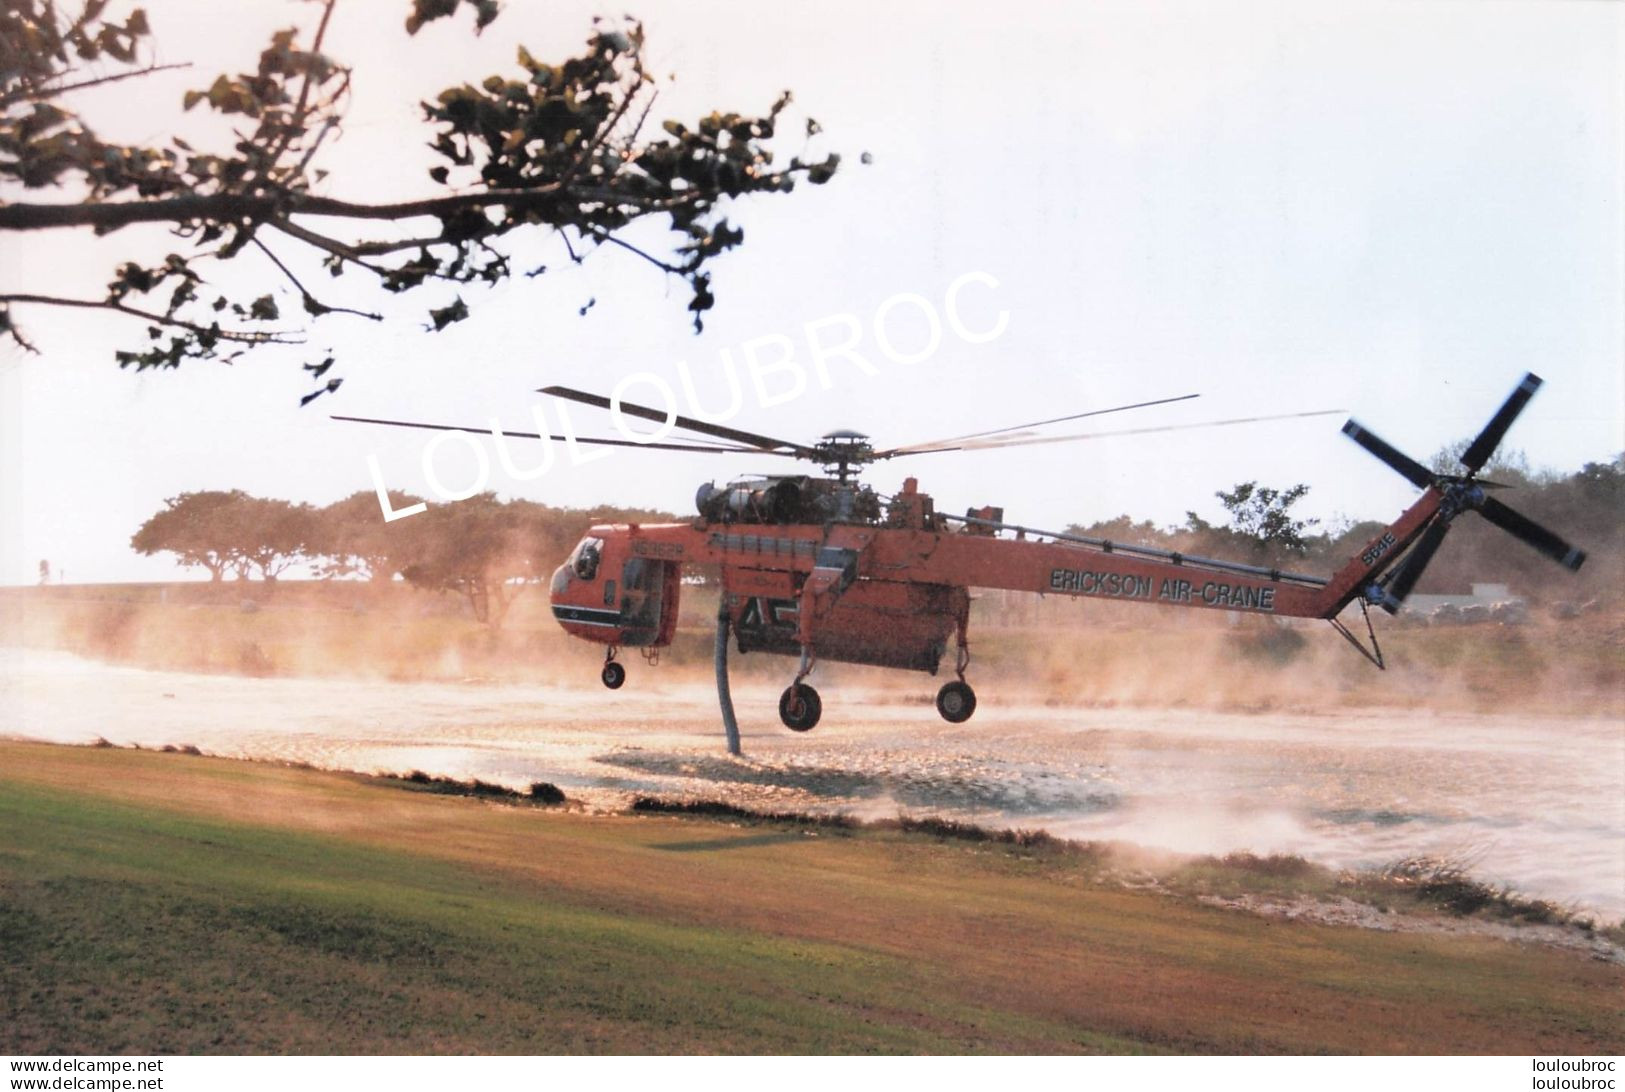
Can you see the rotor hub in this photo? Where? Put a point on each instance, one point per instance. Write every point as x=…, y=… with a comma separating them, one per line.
x=843, y=451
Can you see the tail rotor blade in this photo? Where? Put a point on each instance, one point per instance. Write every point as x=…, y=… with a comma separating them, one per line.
x=1410, y=570
x=1522, y=527
x=1479, y=451
x=1417, y=474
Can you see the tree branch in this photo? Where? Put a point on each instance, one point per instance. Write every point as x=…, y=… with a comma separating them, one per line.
x=296, y=123
x=384, y=247
x=598, y=139
x=605, y=237
x=236, y=208
x=9, y=328
x=247, y=337
x=561, y=151
x=352, y=254
x=322, y=242
x=63, y=89
x=327, y=127
x=313, y=305
x=643, y=117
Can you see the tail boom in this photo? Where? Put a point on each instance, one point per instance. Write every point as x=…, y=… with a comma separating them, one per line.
x=1358, y=578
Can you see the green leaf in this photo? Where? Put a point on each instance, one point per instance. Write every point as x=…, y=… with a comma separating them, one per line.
x=219, y=92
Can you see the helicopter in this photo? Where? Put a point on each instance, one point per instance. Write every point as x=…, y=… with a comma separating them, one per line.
x=822, y=567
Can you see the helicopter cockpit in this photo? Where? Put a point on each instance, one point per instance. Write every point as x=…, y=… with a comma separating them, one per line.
x=602, y=593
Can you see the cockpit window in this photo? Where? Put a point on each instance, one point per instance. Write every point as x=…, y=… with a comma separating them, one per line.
x=584, y=561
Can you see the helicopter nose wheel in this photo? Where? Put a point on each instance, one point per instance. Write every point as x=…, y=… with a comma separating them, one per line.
x=799, y=707
x=614, y=673
x=956, y=701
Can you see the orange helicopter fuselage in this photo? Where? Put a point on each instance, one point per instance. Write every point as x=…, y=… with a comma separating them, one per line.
x=896, y=593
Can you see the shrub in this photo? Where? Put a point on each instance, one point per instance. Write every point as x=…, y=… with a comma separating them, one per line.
x=545, y=792
x=1284, y=865
x=720, y=810
x=1445, y=882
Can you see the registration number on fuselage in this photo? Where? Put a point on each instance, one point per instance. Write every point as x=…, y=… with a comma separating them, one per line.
x=1377, y=549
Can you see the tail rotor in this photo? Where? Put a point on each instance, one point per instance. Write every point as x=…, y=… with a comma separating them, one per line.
x=1462, y=492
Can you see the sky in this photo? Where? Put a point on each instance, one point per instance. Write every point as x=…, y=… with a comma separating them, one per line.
x=1391, y=210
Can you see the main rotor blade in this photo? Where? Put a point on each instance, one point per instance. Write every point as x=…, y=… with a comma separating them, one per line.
x=704, y=428
x=935, y=444
x=1418, y=474
x=1479, y=451
x=994, y=444
x=1522, y=527
x=595, y=440
x=1404, y=577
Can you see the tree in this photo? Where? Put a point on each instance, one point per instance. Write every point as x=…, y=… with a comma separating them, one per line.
x=268, y=535
x=196, y=527
x=1508, y=466
x=348, y=537
x=229, y=530
x=1603, y=483
x=563, y=146
x=1262, y=516
x=1348, y=537
x=1123, y=528
x=486, y=551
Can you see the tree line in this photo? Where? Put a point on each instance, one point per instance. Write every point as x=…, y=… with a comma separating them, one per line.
x=483, y=549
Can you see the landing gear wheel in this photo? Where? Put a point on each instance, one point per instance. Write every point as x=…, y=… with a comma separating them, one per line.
x=956, y=701
x=614, y=675
x=800, y=708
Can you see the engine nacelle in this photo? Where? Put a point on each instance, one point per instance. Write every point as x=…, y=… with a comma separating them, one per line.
x=774, y=501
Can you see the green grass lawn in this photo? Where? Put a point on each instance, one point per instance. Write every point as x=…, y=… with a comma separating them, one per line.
x=155, y=903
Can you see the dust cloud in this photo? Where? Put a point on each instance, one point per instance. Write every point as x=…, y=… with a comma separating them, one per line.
x=1498, y=745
